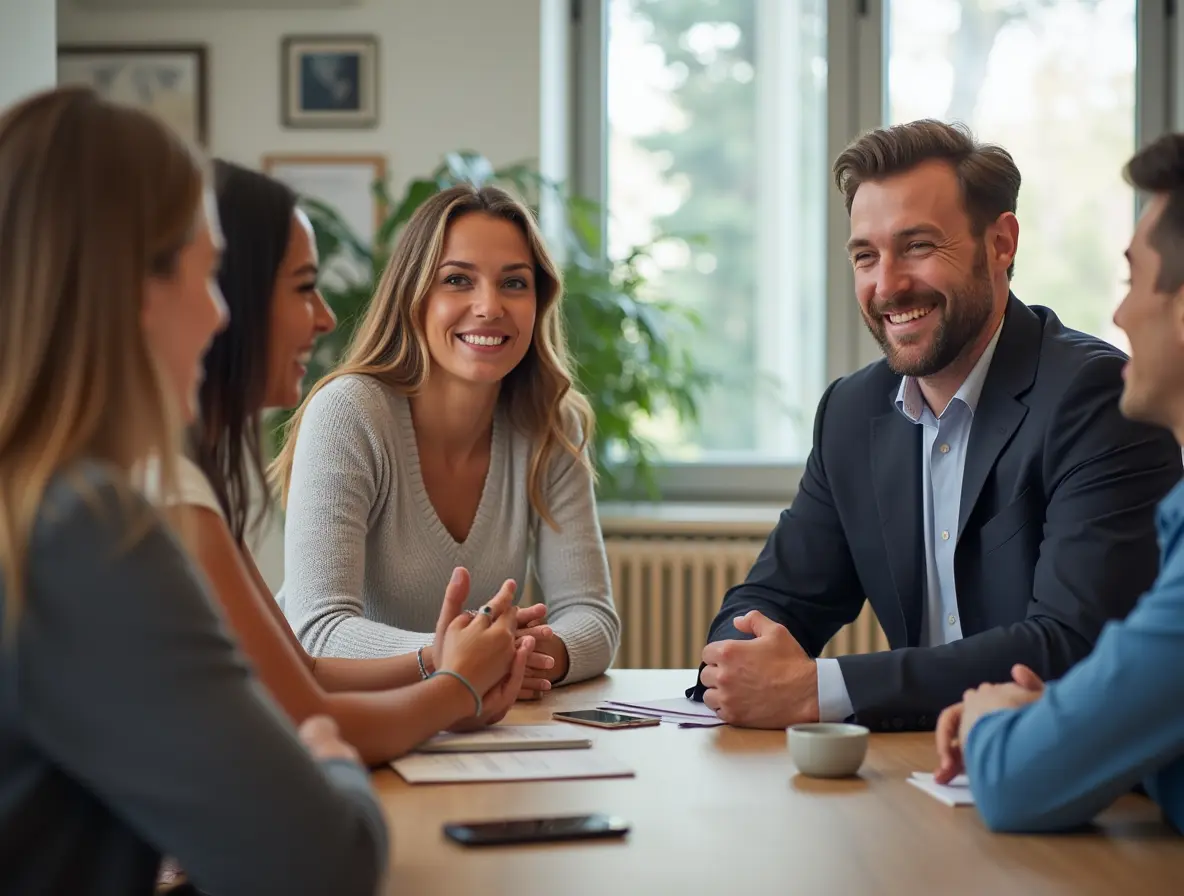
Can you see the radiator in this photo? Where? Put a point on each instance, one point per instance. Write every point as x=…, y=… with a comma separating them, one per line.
x=668, y=589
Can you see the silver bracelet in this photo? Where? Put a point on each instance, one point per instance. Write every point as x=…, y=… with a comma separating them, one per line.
x=472, y=690
x=423, y=670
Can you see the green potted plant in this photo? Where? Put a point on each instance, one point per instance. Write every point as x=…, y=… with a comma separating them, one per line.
x=624, y=339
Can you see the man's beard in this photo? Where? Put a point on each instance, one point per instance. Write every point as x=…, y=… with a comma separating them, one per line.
x=965, y=313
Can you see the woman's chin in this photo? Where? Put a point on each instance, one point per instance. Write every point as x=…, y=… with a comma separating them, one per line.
x=290, y=398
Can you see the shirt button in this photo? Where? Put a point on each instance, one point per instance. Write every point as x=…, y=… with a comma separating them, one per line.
x=952, y=619
x=944, y=449
x=945, y=534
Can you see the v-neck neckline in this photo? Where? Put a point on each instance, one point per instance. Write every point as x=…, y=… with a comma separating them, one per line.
x=423, y=499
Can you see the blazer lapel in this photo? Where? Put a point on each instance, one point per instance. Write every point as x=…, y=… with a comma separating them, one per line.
x=896, y=474
x=999, y=414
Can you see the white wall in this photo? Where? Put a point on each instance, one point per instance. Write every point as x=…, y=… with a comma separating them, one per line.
x=27, y=48
x=453, y=74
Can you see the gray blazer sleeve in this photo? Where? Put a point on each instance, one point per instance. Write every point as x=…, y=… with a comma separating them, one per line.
x=130, y=685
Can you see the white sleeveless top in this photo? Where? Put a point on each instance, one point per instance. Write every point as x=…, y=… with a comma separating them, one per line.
x=193, y=488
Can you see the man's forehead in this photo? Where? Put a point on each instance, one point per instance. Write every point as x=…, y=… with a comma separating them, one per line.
x=927, y=193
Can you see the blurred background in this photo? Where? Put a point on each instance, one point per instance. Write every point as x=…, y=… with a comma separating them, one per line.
x=678, y=153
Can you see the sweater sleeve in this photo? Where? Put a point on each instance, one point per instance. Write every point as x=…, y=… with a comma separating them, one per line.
x=573, y=572
x=129, y=684
x=340, y=474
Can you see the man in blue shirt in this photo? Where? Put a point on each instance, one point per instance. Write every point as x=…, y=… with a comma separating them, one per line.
x=978, y=486
x=1042, y=758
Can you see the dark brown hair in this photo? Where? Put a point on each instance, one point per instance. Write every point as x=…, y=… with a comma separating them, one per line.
x=255, y=212
x=987, y=174
x=1159, y=168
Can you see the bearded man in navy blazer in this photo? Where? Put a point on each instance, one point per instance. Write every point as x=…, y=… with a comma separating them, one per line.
x=978, y=485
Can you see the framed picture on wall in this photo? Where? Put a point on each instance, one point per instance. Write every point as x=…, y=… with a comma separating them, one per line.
x=166, y=79
x=329, y=82
x=344, y=182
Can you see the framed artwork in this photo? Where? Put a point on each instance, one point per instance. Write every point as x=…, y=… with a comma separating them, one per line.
x=329, y=82
x=344, y=182
x=166, y=79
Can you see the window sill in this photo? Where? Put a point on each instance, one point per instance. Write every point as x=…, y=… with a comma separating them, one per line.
x=682, y=518
x=711, y=485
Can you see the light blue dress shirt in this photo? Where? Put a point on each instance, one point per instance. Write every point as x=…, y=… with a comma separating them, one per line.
x=1113, y=720
x=943, y=458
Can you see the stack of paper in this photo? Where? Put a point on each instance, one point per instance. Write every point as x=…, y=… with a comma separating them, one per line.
x=451, y=768
x=956, y=793
x=500, y=738
x=684, y=712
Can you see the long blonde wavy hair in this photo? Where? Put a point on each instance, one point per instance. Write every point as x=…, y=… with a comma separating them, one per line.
x=94, y=199
x=391, y=346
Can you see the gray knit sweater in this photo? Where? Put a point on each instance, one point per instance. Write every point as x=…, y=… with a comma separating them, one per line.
x=366, y=558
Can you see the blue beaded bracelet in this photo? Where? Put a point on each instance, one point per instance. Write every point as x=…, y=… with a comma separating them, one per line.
x=465, y=682
x=423, y=672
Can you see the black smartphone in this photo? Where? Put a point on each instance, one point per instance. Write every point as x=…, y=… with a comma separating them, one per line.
x=536, y=830
x=602, y=718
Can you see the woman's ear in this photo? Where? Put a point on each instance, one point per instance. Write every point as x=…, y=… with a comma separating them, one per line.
x=154, y=303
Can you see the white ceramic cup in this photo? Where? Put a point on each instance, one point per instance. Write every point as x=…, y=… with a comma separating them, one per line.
x=827, y=749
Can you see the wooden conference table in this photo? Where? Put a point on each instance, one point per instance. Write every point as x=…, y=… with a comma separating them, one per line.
x=723, y=811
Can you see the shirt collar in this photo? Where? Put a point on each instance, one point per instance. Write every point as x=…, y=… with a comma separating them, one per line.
x=911, y=403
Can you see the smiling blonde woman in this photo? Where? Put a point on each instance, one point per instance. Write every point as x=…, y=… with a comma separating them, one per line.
x=450, y=437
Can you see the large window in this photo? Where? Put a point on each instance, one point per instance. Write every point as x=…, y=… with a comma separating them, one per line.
x=722, y=117
x=1054, y=83
x=717, y=138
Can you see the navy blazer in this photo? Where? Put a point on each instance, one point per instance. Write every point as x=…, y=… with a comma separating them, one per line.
x=1056, y=526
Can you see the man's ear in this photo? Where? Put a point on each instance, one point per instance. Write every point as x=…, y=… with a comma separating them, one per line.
x=1176, y=302
x=1003, y=240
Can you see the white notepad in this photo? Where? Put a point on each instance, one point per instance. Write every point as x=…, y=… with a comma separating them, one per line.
x=956, y=793
x=506, y=737
x=539, y=765
x=679, y=710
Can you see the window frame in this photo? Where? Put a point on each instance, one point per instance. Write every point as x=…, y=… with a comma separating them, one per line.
x=856, y=102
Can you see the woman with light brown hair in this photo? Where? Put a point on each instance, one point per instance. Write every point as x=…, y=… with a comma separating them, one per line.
x=129, y=725
x=450, y=436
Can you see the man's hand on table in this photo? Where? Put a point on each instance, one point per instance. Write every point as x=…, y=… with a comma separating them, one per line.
x=768, y=682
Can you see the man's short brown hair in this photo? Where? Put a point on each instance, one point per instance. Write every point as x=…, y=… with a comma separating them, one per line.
x=987, y=174
x=1159, y=169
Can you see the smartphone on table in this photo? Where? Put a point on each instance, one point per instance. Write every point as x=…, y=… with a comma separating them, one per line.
x=603, y=718
x=536, y=830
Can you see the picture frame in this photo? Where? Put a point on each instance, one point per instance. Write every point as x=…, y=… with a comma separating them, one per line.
x=343, y=181
x=168, y=80
x=329, y=81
